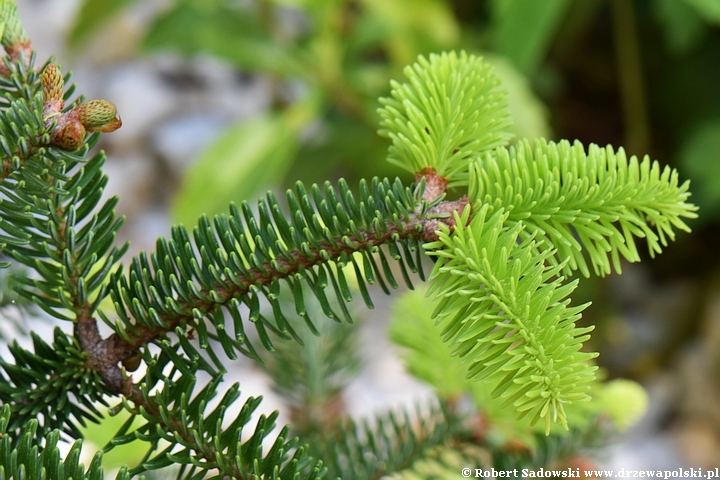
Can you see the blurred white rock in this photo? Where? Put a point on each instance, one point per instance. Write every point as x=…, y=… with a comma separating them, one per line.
x=142, y=101
x=131, y=177
x=181, y=139
x=47, y=22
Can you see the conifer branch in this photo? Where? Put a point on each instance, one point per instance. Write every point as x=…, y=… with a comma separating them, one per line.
x=577, y=201
x=22, y=132
x=182, y=309
x=502, y=298
x=175, y=414
x=372, y=449
x=13, y=38
x=264, y=275
x=21, y=457
x=507, y=312
x=451, y=109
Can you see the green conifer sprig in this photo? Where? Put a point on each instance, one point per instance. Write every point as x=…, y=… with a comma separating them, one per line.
x=52, y=386
x=180, y=429
x=52, y=221
x=507, y=312
x=452, y=109
x=21, y=458
x=575, y=200
x=50, y=213
x=72, y=243
x=12, y=32
x=247, y=258
x=22, y=132
x=368, y=450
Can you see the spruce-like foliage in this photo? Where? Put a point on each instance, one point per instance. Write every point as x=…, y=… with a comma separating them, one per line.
x=452, y=108
x=532, y=215
x=578, y=201
x=21, y=457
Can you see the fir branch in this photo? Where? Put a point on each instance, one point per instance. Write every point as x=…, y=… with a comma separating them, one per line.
x=51, y=218
x=12, y=36
x=22, y=459
x=497, y=277
x=53, y=386
x=242, y=258
x=311, y=376
x=369, y=450
x=175, y=414
x=506, y=311
x=71, y=244
x=22, y=130
x=573, y=201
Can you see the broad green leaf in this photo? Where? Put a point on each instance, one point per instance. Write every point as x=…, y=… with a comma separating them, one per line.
x=530, y=117
x=414, y=26
x=700, y=160
x=684, y=27
x=524, y=29
x=92, y=15
x=232, y=34
x=709, y=10
x=244, y=159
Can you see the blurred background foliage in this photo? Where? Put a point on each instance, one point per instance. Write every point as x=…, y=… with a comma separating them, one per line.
x=328, y=62
x=602, y=71
x=641, y=74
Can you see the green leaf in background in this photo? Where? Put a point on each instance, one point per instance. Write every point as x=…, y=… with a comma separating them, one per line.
x=414, y=27
x=700, y=160
x=244, y=159
x=427, y=357
x=524, y=29
x=92, y=14
x=683, y=25
x=327, y=155
x=233, y=34
x=529, y=114
x=708, y=9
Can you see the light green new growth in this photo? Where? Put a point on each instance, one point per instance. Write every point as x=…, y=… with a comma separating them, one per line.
x=574, y=201
x=427, y=357
x=507, y=312
x=12, y=32
x=452, y=109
